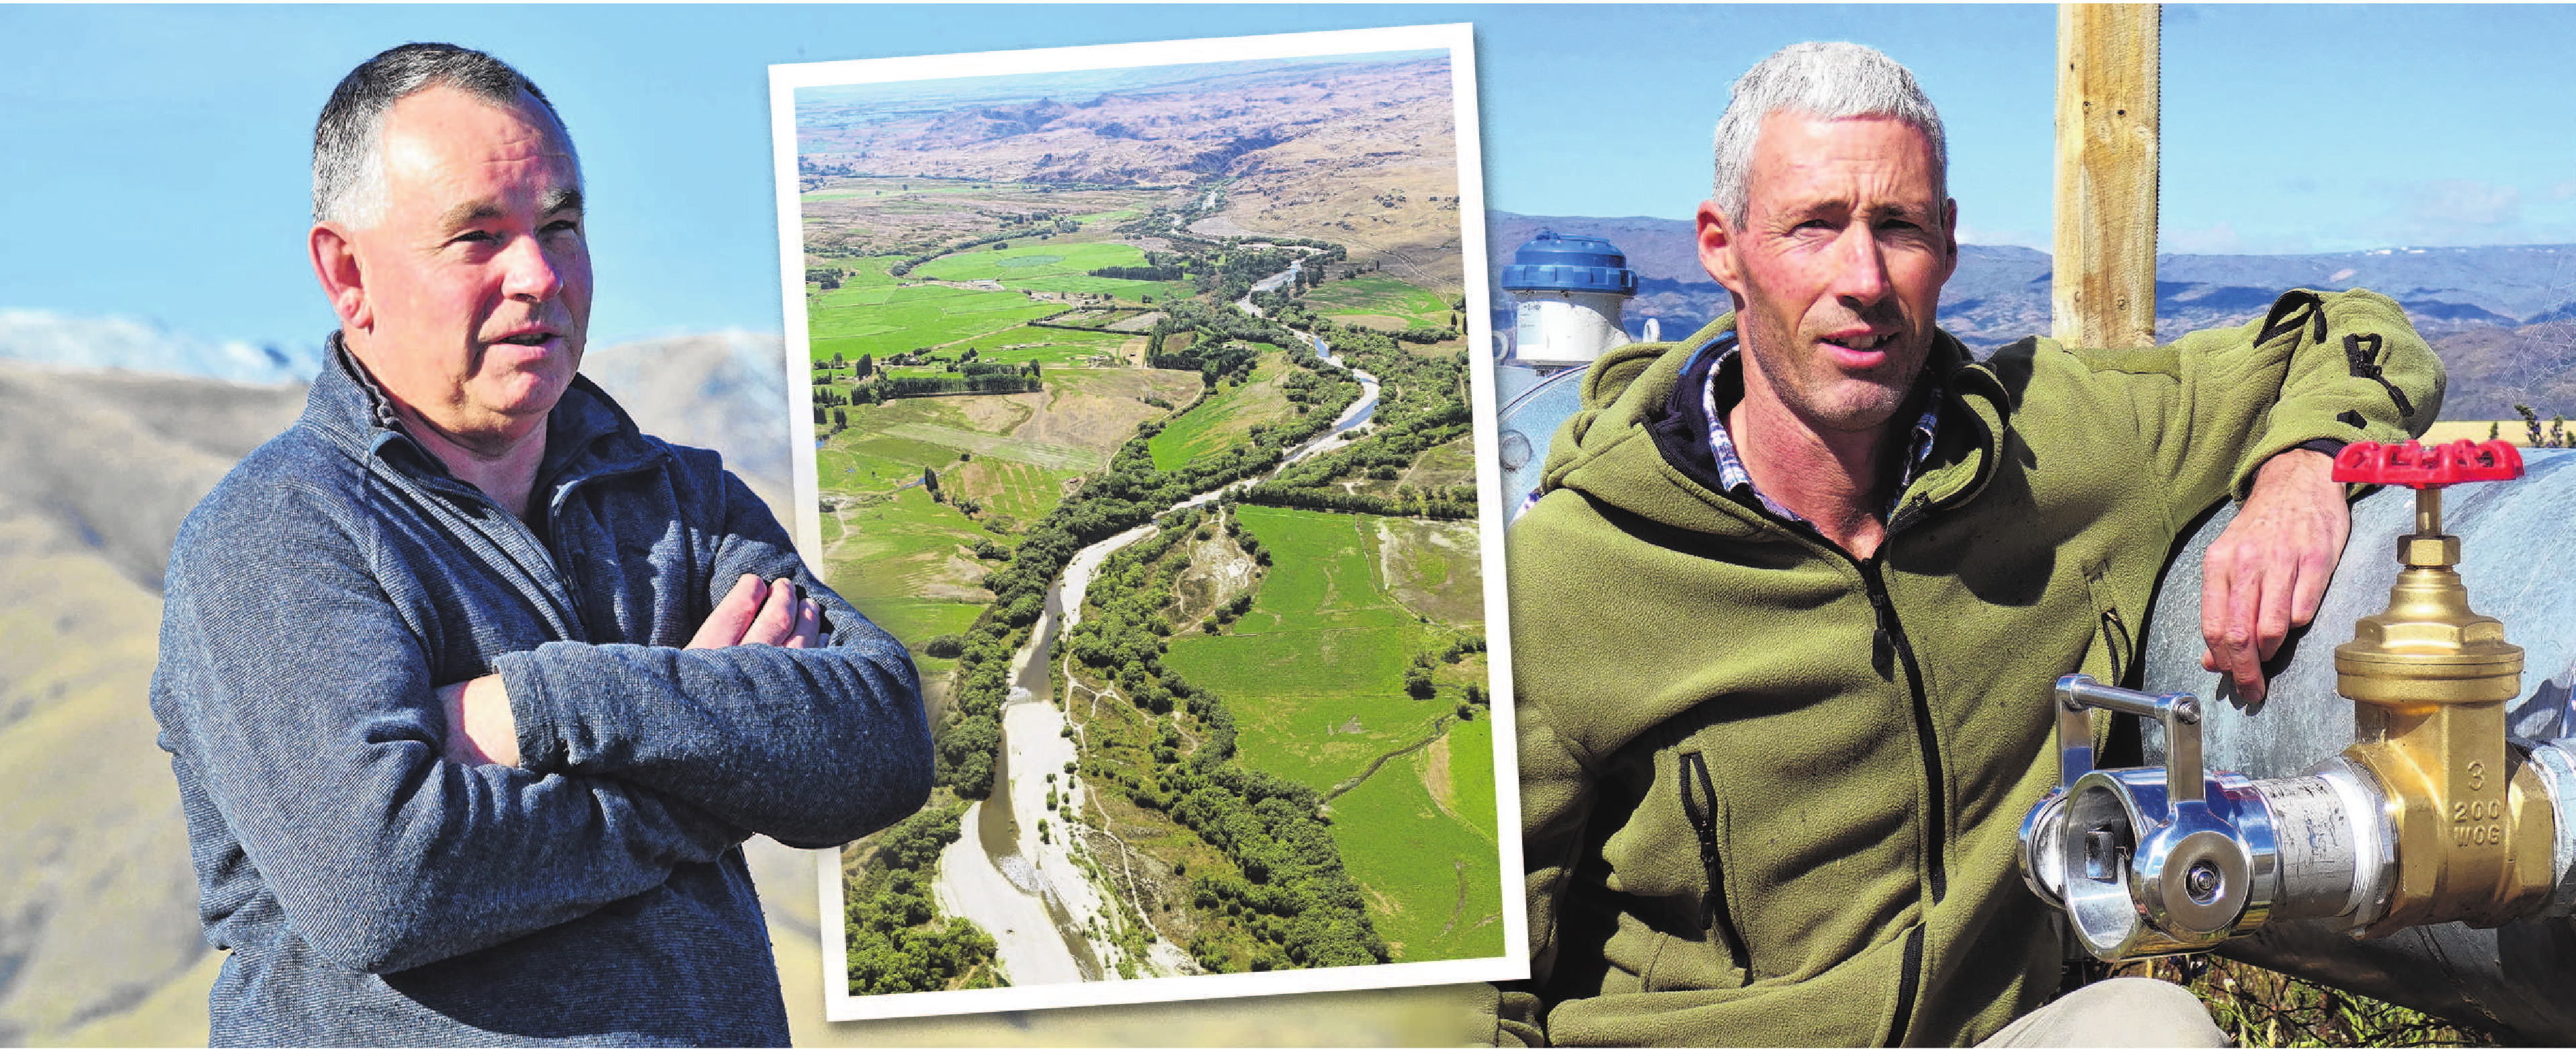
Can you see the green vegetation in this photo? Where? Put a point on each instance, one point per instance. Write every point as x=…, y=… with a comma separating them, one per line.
x=1130, y=492
x=1371, y=298
x=1063, y=268
x=897, y=940
x=1422, y=405
x=1277, y=895
x=1313, y=672
x=1235, y=410
x=1046, y=346
x=893, y=546
x=887, y=320
x=962, y=467
x=861, y=272
x=1412, y=835
x=918, y=619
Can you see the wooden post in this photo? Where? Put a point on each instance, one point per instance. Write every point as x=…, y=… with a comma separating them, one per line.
x=2104, y=292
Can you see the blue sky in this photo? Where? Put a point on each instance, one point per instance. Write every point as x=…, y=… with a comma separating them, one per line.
x=155, y=164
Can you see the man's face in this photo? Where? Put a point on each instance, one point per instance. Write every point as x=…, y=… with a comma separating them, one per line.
x=469, y=299
x=1837, y=263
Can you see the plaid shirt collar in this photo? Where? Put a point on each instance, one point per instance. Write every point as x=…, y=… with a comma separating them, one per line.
x=1730, y=466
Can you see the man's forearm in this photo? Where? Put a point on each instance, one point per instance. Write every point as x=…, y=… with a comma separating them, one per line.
x=321, y=750
x=812, y=746
x=808, y=746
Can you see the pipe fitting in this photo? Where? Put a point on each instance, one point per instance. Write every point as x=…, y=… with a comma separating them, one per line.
x=2429, y=816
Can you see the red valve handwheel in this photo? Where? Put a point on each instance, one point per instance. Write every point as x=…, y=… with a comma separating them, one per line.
x=2418, y=467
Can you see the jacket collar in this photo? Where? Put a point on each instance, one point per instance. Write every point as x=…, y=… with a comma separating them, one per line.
x=1638, y=446
x=587, y=433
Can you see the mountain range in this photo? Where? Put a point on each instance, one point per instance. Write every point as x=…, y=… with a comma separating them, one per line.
x=2502, y=318
x=1361, y=153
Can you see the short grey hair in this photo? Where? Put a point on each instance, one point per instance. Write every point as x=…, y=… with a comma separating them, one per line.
x=1829, y=81
x=348, y=158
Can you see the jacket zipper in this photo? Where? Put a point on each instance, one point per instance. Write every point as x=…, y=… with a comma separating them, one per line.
x=1891, y=634
x=1699, y=804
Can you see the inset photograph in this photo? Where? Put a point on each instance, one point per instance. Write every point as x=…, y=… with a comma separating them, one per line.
x=1141, y=394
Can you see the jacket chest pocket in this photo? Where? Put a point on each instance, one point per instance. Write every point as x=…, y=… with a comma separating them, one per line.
x=1675, y=852
x=2112, y=655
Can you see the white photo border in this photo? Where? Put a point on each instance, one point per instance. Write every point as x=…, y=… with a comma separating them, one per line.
x=1458, y=40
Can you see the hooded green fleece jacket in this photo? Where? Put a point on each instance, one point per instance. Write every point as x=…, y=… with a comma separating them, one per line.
x=1769, y=793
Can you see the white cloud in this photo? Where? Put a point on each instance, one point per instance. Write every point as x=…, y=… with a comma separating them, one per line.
x=2464, y=201
x=2453, y=211
x=120, y=342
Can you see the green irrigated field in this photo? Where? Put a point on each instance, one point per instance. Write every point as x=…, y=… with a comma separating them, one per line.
x=1370, y=297
x=1050, y=266
x=1323, y=575
x=1312, y=706
x=915, y=620
x=885, y=320
x=897, y=546
x=1315, y=671
x=1035, y=453
x=869, y=272
x=1017, y=490
x=1222, y=420
x=1419, y=835
x=902, y=449
x=1022, y=262
x=1047, y=346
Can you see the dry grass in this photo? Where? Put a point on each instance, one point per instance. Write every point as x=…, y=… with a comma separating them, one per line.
x=2259, y=1007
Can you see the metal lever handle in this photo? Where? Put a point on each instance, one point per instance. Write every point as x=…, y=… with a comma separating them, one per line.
x=2178, y=712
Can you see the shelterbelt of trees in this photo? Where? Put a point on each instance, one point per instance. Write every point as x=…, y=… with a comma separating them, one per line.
x=1283, y=899
x=966, y=376
x=1040, y=225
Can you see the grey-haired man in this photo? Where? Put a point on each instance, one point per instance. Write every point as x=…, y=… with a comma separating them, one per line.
x=1792, y=599
x=473, y=690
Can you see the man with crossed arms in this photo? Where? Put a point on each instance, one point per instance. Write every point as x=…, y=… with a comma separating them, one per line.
x=472, y=690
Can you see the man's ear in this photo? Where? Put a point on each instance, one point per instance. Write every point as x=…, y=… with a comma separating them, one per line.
x=344, y=279
x=1949, y=238
x=1717, y=250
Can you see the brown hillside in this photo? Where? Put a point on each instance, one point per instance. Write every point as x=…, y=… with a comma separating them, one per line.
x=1361, y=153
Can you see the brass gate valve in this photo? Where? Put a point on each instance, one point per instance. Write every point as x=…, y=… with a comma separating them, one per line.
x=2430, y=679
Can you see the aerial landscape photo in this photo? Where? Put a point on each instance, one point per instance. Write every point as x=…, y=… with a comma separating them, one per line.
x=1141, y=413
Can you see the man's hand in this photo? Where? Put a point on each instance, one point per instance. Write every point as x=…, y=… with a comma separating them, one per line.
x=2267, y=573
x=762, y=613
x=480, y=728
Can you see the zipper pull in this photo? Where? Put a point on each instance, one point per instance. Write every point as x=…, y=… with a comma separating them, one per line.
x=1699, y=805
x=1882, y=647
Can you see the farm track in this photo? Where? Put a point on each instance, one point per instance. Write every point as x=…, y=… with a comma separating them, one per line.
x=1437, y=731
x=1459, y=909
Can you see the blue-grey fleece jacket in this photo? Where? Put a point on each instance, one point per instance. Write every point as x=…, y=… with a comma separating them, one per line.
x=371, y=892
